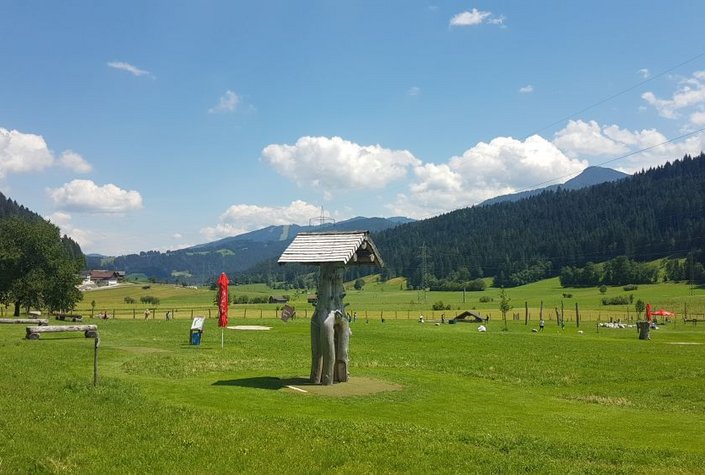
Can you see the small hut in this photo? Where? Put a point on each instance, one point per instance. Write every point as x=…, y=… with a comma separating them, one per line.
x=330, y=331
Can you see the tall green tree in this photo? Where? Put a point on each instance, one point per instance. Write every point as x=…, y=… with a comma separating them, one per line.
x=37, y=268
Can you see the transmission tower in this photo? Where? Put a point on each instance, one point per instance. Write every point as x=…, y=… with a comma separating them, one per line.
x=321, y=220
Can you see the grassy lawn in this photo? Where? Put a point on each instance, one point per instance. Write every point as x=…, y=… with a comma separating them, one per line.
x=452, y=400
x=386, y=299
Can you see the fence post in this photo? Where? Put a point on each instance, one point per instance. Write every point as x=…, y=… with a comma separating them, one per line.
x=526, y=312
x=577, y=316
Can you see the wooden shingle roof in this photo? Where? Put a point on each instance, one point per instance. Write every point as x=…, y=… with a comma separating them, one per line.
x=346, y=248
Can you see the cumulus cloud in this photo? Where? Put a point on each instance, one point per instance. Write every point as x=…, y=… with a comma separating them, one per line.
x=475, y=17
x=526, y=89
x=241, y=218
x=645, y=73
x=336, y=164
x=228, y=102
x=134, y=70
x=586, y=138
x=504, y=165
x=690, y=94
x=74, y=162
x=589, y=139
x=86, y=196
x=21, y=153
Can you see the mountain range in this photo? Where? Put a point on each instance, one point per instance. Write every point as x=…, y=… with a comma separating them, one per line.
x=232, y=255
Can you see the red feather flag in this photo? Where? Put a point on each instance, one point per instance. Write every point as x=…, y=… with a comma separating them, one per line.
x=223, y=300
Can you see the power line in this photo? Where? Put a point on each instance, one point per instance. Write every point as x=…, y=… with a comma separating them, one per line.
x=621, y=157
x=614, y=96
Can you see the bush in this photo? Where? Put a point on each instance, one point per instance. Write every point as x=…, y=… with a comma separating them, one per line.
x=440, y=306
x=620, y=300
x=567, y=296
x=149, y=299
x=477, y=285
x=603, y=289
x=486, y=298
x=630, y=287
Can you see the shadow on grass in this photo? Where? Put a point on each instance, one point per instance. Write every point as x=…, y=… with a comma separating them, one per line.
x=263, y=382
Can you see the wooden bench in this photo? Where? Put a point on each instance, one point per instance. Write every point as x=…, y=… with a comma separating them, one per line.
x=26, y=321
x=67, y=316
x=89, y=331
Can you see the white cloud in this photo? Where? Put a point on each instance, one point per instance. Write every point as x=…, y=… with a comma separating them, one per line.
x=691, y=93
x=134, y=70
x=697, y=118
x=475, y=17
x=645, y=73
x=21, y=153
x=504, y=165
x=586, y=138
x=176, y=236
x=332, y=164
x=526, y=89
x=75, y=162
x=414, y=91
x=228, y=102
x=589, y=139
x=241, y=218
x=660, y=154
x=86, y=196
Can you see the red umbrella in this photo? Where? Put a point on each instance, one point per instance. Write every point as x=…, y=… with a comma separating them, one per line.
x=223, y=300
x=648, y=312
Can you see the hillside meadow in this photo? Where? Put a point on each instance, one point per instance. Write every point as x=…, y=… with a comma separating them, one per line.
x=422, y=398
x=387, y=300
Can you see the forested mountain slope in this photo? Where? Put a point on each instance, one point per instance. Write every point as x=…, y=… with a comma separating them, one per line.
x=9, y=207
x=657, y=213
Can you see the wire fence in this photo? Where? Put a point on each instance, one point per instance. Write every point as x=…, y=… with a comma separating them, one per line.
x=527, y=315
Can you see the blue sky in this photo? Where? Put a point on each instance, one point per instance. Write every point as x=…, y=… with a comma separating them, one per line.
x=157, y=125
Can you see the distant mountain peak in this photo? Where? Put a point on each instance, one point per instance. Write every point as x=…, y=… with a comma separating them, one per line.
x=591, y=176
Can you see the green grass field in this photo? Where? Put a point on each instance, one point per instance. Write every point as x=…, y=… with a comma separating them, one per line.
x=386, y=299
x=451, y=400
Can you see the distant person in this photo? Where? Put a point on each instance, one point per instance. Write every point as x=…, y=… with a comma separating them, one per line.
x=541, y=324
x=421, y=319
x=146, y=314
x=443, y=318
x=354, y=316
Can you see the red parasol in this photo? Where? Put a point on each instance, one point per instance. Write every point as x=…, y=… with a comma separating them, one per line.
x=648, y=312
x=223, y=300
x=663, y=313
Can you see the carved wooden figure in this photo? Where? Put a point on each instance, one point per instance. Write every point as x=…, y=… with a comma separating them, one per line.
x=330, y=329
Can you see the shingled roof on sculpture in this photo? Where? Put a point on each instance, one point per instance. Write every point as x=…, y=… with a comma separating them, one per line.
x=346, y=248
